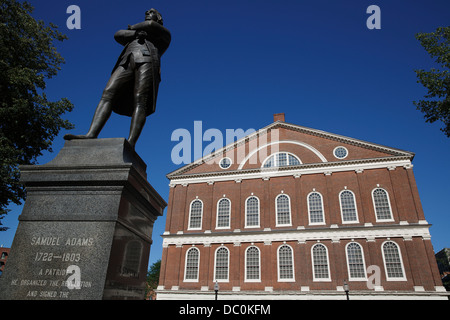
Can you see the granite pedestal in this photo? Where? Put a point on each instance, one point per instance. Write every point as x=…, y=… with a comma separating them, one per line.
x=86, y=226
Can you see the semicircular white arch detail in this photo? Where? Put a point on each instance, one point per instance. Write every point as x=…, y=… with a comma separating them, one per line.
x=307, y=146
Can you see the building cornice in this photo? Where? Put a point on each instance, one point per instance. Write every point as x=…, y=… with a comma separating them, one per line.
x=311, y=168
x=368, y=232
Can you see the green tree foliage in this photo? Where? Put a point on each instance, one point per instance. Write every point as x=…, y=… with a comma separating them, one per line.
x=436, y=81
x=28, y=120
x=153, y=277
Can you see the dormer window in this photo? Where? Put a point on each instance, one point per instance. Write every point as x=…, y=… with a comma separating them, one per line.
x=281, y=159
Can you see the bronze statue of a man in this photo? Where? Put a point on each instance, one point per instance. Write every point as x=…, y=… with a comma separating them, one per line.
x=133, y=86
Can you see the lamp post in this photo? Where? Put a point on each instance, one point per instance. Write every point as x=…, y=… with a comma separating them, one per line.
x=216, y=289
x=346, y=289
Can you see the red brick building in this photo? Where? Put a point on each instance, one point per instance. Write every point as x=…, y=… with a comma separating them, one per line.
x=4, y=252
x=290, y=212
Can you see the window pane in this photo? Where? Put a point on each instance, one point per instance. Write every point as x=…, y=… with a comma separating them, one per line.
x=196, y=214
x=286, y=268
x=293, y=161
x=355, y=261
x=348, y=206
x=222, y=264
x=225, y=163
x=269, y=163
x=340, y=152
x=252, y=211
x=252, y=267
x=223, y=213
x=192, y=258
x=315, y=208
x=382, y=207
x=320, y=262
x=281, y=159
x=392, y=260
x=283, y=210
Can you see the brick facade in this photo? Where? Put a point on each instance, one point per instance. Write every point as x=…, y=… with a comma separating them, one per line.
x=363, y=169
x=4, y=253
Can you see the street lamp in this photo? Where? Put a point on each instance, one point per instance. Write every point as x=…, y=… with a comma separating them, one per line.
x=216, y=288
x=346, y=289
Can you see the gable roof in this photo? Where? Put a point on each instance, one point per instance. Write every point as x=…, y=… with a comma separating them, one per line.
x=391, y=152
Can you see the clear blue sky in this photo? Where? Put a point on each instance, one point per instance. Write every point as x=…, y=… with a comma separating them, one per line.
x=233, y=64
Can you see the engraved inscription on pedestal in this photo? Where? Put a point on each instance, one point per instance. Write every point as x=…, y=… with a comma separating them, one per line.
x=59, y=263
x=85, y=231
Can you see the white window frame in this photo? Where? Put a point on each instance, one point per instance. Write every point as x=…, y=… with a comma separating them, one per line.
x=328, y=265
x=217, y=214
x=350, y=278
x=259, y=212
x=356, y=207
x=228, y=265
x=275, y=159
x=201, y=215
x=389, y=203
x=340, y=158
x=292, y=263
x=309, y=210
x=259, y=265
x=185, y=265
x=401, y=262
x=276, y=211
x=225, y=158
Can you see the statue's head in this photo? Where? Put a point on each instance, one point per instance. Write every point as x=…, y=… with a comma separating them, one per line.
x=154, y=15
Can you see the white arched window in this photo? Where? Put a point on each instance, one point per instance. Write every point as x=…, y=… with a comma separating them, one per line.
x=223, y=213
x=355, y=262
x=222, y=262
x=315, y=208
x=283, y=210
x=347, y=201
x=285, y=263
x=382, y=205
x=281, y=159
x=393, y=264
x=252, y=264
x=252, y=212
x=192, y=265
x=195, y=215
x=321, y=267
